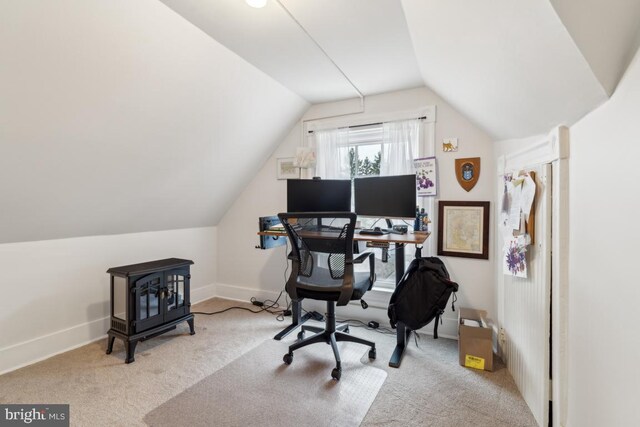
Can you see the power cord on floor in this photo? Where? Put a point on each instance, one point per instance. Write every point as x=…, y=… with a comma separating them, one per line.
x=267, y=306
x=372, y=326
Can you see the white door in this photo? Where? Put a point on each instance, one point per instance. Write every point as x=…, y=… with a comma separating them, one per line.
x=524, y=303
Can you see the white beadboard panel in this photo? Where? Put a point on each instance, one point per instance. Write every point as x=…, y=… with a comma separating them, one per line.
x=525, y=316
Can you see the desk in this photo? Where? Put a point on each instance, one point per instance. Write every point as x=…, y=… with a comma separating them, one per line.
x=400, y=241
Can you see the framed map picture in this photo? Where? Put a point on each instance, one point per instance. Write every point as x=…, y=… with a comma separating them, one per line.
x=463, y=229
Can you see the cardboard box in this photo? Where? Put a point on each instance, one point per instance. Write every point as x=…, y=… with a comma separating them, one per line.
x=475, y=339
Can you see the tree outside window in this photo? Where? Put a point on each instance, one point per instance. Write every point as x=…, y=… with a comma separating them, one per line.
x=360, y=163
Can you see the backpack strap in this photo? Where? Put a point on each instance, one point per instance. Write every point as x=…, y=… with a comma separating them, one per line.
x=435, y=324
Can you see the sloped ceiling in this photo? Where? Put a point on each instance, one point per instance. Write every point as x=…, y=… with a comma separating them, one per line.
x=511, y=66
x=368, y=39
x=516, y=68
x=120, y=116
x=607, y=33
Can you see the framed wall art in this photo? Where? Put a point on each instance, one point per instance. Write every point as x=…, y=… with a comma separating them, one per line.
x=286, y=168
x=463, y=229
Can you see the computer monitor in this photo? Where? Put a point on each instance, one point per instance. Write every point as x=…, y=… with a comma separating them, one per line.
x=386, y=196
x=318, y=195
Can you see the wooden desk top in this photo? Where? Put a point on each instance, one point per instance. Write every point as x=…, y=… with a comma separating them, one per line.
x=409, y=238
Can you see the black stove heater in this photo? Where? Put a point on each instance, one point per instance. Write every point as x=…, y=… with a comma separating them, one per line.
x=147, y=300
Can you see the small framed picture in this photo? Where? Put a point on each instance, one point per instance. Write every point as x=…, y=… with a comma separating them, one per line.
x=286, y=169
x=463, y=229
x=449, y=145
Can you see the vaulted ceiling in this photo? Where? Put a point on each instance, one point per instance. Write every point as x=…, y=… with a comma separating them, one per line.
x=516, y=68
x=120, y=116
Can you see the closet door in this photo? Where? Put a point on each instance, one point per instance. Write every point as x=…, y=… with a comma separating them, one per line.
x=525, y=302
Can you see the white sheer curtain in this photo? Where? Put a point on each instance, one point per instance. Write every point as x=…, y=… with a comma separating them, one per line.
x=332, y=151
x=402, y=141
x=400, y=145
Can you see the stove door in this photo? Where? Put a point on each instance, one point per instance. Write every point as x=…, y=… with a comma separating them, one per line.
x=148, y=302
x=177, y=293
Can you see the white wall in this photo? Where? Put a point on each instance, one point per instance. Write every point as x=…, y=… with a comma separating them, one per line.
x=245, y=271
x=55, y=293
x=604, y=342
x=120, y=116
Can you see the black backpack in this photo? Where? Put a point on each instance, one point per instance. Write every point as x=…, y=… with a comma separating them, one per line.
x=422, y=294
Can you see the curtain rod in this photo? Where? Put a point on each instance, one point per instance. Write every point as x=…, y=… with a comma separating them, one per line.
x=371, y=124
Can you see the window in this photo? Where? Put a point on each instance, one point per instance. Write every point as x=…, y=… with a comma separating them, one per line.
x=379, y=149
x=365, y=150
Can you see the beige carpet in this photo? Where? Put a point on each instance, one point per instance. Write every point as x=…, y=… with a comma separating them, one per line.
x=429, y=389
x=257, y=384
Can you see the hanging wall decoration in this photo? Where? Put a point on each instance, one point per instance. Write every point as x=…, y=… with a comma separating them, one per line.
x=450, y=145
x=463, y=229
x=286, y=168
x=468, y=172
x=426, y=177
x=515, y=257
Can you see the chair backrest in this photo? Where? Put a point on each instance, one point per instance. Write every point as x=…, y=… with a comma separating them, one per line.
x=320, y=232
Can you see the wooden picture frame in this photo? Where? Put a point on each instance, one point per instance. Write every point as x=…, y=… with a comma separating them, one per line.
x=463, y=229
x=286, y=168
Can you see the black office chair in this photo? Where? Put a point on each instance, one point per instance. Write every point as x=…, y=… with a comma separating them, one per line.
x=335, y=283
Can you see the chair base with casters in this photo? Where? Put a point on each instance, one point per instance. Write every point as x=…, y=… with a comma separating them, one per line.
x=337, y=282
x=329, y=335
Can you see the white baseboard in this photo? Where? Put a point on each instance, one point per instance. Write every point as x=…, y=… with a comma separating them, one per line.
x=239, y=293
x=28, y=352
x=203, y=293
x=377, y=300
x=37, y=349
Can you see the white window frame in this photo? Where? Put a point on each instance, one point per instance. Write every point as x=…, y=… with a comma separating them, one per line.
x=382, y=290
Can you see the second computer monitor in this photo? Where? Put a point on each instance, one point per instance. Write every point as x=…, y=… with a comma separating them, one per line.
x=318, y=195
x=386, y=196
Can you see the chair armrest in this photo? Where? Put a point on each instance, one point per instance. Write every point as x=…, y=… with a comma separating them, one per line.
x=372, y=266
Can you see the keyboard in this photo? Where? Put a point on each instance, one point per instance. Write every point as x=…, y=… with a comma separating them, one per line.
x=372, y=232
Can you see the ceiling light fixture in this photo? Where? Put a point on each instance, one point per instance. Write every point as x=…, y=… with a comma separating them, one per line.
x=257, y=3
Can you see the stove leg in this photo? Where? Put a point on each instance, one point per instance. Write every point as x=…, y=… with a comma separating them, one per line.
x=110, y=341
x=191, y=326
x=130, y=347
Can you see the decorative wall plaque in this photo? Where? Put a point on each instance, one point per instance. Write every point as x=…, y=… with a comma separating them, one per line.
x=468, y=172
